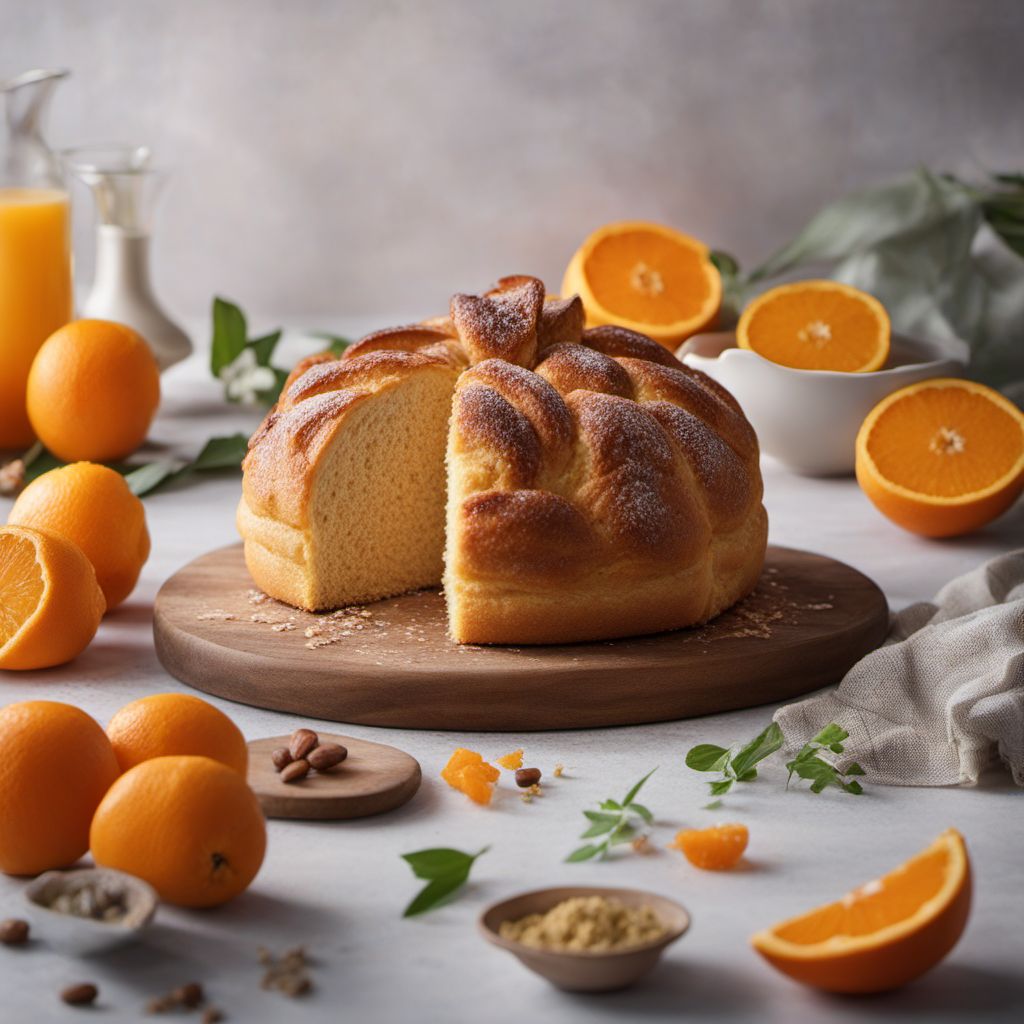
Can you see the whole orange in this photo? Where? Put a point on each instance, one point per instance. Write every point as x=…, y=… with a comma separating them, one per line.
x=176, y=723
x=92, y=506
x=190, y=826
x=56, y=766
x=93, y=390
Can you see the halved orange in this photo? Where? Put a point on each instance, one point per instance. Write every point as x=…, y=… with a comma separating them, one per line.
x=884, y=934
x=817, y=325
x=647, y=277
x=942, y=457
x=50, y=602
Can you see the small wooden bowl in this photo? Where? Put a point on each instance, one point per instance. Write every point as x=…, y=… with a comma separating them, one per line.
x=585, y=972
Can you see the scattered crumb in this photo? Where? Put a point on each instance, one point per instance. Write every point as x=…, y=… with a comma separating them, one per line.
x=559, y=770
x=217, y=615
x=642, y=844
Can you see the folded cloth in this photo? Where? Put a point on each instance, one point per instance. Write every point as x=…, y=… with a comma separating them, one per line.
x=943, y=698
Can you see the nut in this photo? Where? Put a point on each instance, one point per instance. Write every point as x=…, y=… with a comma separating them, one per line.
x=212, y=1015
x=296, y=770
x=326, y=756
x=190, y=995
x=302, y=742
x=527, y=777
x=14, y=931
x=80, y=995
x=282, y=757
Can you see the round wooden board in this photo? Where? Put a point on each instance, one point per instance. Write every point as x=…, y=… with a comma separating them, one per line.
x=392, y=664
x=373, y=779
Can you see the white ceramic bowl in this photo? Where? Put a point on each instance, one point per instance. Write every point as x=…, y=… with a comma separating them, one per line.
x=808, y=419
x=84, y=936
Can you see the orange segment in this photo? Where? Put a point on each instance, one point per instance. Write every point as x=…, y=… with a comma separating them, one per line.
x=469, y=773
x=512, y=761
x=883, y=934
x=942, y=457
x=817, y=325
x=50, y=602
x=646, y=277
x=712, y=849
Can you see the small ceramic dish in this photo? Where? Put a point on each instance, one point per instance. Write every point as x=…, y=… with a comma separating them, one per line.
x=585, y=972
x=808, y=419
x=86, y=936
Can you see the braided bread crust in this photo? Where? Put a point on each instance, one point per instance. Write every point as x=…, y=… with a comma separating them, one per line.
x=596, y=487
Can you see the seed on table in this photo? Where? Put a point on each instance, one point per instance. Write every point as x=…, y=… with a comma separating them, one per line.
x=296, y=770
x=80, y=995
x=190, y=995
x=326, y=756
x=527, y=777
x=14, y=931
x=212, y=1015
x=302, y=742
x=282, y=757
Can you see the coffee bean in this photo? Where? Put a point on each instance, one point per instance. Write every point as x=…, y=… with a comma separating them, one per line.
x=326, y=756
x=302, y=742
x=296, y=770
x=282, y=757
x=80, y=995
x=14, y=931
x=527, y=777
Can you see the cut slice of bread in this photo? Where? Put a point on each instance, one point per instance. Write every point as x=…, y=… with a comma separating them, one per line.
x=345, y=483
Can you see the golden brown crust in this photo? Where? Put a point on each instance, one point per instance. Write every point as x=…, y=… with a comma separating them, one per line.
x=597, y=487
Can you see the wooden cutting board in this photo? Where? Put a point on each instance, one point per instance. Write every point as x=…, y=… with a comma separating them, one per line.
x=391, y=663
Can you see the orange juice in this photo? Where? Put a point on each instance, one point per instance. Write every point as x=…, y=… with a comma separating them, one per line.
x=35, y=293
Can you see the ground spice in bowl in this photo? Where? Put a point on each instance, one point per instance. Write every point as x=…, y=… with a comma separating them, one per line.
x=586, y=924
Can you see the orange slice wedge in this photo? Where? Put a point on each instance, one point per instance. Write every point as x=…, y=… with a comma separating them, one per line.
x=716, y=848
x=50, y=602
x=646, y=277
x=885, y=933
x=942, y=457
x=817, y=325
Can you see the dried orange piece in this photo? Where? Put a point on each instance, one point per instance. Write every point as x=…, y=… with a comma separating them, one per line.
x=942, y=457
x=817, y=325
x=469, y=773
x=512, y=761
x=646, y=277
x=50, y=602
x=712, y=849
x=883, y=934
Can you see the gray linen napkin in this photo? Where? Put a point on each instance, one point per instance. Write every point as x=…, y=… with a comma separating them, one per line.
x=944, y=697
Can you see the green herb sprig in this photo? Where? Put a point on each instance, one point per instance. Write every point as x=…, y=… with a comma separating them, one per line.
x=822, y=772
x=734, y=765
x=616, y=821
x=445, y=870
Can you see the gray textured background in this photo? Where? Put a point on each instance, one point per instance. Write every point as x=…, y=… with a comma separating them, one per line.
x=362, y=157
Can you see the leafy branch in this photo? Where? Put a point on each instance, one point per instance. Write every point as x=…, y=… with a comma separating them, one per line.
x=616, y=821
x=444, y=870
x=821, y=771
x=732, y=764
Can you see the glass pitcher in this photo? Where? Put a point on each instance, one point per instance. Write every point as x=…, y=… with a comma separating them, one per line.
x=35, y=245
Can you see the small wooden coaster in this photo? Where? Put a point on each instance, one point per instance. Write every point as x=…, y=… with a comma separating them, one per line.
x=373, y=779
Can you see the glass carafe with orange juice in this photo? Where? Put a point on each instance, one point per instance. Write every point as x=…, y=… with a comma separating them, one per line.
x=35, y=245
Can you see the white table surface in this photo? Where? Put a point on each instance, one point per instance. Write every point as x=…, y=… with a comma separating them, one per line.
x=339, y=888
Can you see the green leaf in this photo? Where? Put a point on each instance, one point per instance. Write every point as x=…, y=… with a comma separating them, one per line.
x=713, y=806
x=832, y=733
x=584, y=853
x=628, y=798
x=437, y=863
x=706, y=757
x=149, y=477
x=599, y=828
x=270, y=395
x=623, y=834
x=229, y=334
x=721, y=787
x=855, y=769
x=447, y=870
x=264, y=347
x=224, y=452
x=610, y=805
x=760, y=747
x=724, y=263
x=748, y=776
x=434, y=892
x=642, y=811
